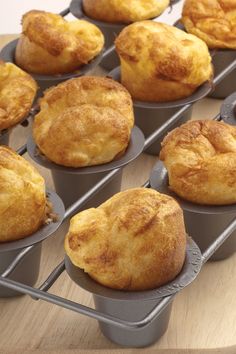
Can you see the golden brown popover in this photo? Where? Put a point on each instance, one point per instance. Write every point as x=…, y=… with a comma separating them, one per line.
x=134, y=241
x=124, y=11
x=214, y=21
x=200, y=157
x=84, y=121
x=22, y=197
x=160, y=62
x=51, y=45
x=17, y=92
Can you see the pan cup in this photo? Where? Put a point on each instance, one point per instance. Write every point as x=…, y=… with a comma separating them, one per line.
x=72, y=183
x=150, y=116
x=27, y=270
x=228, y=110
x=203, y=222
x=4, y=137
x=109, y=30
x=45, y=81
x=134, y=306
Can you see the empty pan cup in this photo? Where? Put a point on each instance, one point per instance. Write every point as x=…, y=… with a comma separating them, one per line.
x=72, y=183
x=134, y=306
x=28, y=269
x=203, y=222
x=109, y=30
x=45, y=81
x=228, y=110
x=150, y=116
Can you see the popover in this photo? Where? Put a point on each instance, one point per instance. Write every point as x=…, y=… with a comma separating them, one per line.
x=200, y=157
x=17, y=92
x=214, y=21
x=160, y=62
x=51, y=45
x=84, y=121
x=123, y=11
x=22, y=197
x=134, y=241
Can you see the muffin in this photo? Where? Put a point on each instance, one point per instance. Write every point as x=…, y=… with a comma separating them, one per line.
x=123, y=11
x=22, y=197
x=17, y=92
x=84, y=121
x=160, y=62
x=51, y=45
x=214, y=21
x=200, y=157
x=134, y=241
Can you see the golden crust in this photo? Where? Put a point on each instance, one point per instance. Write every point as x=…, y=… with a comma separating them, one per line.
x=214, y=21
x=17, y=92
x=51, y=45
x=200, y=157
x=22, y=197
x=134, y=241
x=84, y=121
x=116, y=11
x=160, y=62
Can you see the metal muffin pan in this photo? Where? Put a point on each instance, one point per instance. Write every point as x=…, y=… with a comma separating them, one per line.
x=221, y=59
x=71, y=183
x=45, y=81
x=28, y=269
x=150, y=116
x=228, y=110
x=133, y=306
x=4, y=137
x=203, y=222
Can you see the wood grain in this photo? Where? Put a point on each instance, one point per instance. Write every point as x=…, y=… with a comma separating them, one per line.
x=203, y=319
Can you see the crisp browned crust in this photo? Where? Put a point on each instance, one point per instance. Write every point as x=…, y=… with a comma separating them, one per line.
x=22, y=197
x=134, y=241
x=17, y=92
x=116, y=11
x=200, y=157
x=214, y=21
x=84, y=121
x=51, y=45
x=161, y=63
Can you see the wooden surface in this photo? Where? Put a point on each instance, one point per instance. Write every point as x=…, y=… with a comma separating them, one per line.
x=203, y=318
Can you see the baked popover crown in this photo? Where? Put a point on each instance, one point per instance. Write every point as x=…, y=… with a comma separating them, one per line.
x=22, y=197
x=160, y=62
x=200, y=157
x=84, y=121
x=124, y=11
x=51, y=45
x=134, y=241
x=17, y=93
x=214, y=21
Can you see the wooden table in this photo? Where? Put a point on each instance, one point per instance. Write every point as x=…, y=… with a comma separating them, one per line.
x=203, y=318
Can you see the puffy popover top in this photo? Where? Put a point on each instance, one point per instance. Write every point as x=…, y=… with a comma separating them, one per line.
x=160, y=62
x=134, y=241
x=214, y=21
x=17, y=92
x=51, y=45
x=116, y=11
x=200, y=157
x=22, y=197
x=84, y=121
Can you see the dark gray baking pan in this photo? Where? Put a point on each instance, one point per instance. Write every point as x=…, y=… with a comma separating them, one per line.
x=150, y=116
x=45, y=81
x=203, y=222
x=221, y=58
x=71, y=183
x=28, y=269
x=4, y=137
x=135, y=305
x=228, y=109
